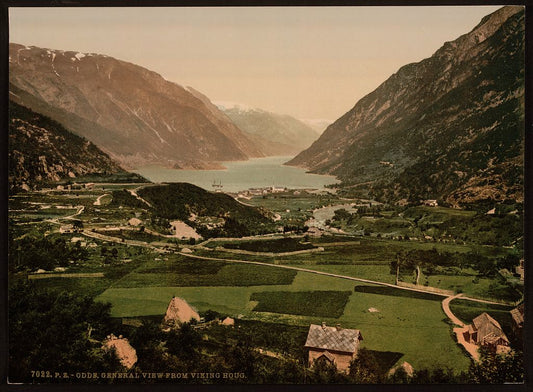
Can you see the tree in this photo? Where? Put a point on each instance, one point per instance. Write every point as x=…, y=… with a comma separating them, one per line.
x=77, y=224
x=51, y=331
x=364, y=368
x=324, y=372
x=495, y=368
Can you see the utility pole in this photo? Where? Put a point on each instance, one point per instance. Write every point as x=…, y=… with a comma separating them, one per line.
x=397, y=268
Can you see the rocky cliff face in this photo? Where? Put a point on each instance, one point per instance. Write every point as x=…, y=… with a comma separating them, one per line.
x=449, y=127
x=41, y=151
x=130, y=112
x=276, y=134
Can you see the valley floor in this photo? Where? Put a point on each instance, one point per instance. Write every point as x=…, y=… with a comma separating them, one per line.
x=340, y=276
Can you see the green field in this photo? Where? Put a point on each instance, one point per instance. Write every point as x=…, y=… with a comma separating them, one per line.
x=305, y=303
x=415, y=327
x=276, y=245
x=183, y=272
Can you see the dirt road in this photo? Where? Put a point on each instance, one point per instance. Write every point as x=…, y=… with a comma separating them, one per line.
x=446, y=308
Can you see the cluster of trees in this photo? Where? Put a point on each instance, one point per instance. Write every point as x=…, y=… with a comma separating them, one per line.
x=435, y=262
x=498, y=230
x=36, y=251
x=124, y=198
x=58, y=332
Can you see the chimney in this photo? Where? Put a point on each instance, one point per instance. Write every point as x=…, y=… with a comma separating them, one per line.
x=323, y=325
x=338, y=326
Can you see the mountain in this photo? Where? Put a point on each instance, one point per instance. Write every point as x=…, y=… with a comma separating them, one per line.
x=450, y=127
x=42, y=151
x=318, y=124
x=277, y=134
x=131, y=113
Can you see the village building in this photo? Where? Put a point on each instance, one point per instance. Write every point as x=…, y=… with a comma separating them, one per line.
x=179, y=312
x=430, y=203
x=126, y=354
x=314, y=232
x=134, y=222
x=335, y=345
x=66, y=229
x=485, y=331
x=274, y=189
x=517, y=315
x=228, y=321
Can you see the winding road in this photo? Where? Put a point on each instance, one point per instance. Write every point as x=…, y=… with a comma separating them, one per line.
x=447, y=310
x=158, y=248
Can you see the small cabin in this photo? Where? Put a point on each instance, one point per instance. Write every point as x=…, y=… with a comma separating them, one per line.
x=485, y=331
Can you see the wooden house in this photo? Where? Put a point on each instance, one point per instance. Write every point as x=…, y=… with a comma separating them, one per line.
x=335, y=345
x=485, y=331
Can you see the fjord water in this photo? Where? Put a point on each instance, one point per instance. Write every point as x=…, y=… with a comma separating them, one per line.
x=242, y=175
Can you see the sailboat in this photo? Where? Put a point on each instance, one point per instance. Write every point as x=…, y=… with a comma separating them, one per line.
x=217, y=186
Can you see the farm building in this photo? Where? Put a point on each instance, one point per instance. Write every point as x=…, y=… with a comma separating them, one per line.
x=431, y=203
x=134, y=222
x=228, y=321
x=66, y=229
x=485, y=331
x=335, y=345
x=179, y=311
x=517, y=315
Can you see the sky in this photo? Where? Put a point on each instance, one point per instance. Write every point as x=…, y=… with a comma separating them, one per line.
x=309, y=62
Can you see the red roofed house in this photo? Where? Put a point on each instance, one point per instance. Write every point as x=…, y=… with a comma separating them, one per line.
x=335, y=345
x=485, y=331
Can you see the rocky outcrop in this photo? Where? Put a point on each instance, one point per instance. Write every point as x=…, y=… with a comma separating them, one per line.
x=41, y=152
x=131, y=113
x=450, y=127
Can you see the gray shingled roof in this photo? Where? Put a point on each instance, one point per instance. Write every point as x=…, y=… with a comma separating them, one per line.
x=486, y=325
x=331, y=338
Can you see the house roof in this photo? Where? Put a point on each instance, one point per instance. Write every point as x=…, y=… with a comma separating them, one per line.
x=333, y=338
x=518, y=314
x=179, y=310
x=486, y=326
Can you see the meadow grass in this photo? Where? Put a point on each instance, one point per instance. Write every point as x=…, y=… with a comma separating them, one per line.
x=376, y=272
x=306, y=303
x=189, y=273
x=414, y=327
